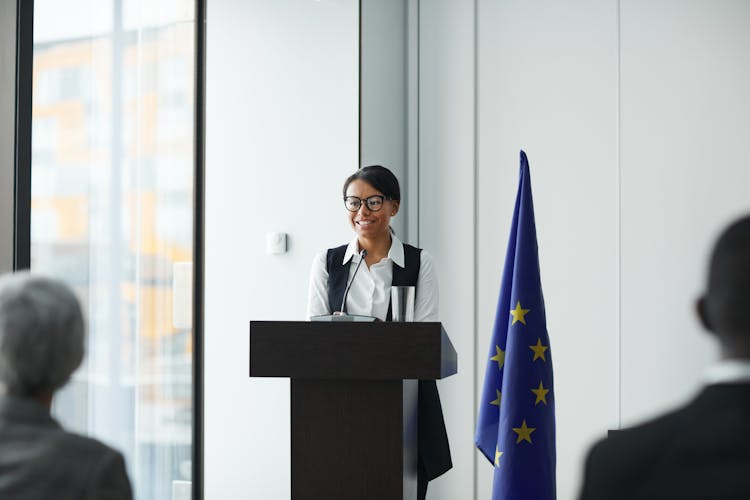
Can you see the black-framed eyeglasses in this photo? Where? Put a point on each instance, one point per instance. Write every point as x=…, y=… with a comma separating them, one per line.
x=373, y=203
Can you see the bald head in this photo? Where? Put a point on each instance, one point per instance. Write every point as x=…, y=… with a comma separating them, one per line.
x=725, y=307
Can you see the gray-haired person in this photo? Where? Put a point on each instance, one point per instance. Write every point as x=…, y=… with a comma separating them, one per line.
x=41, y=344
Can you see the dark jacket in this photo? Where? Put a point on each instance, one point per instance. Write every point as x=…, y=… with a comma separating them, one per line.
x=700, y=451
x=41, y=461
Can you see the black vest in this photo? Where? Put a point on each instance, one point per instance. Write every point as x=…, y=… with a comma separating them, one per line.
x=434, y=455
x=338, y=274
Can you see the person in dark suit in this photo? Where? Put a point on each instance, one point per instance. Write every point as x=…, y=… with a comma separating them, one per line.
x=41, y=344
x=702, y=450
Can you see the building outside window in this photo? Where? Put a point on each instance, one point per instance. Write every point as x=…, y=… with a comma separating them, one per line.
x=112, y=214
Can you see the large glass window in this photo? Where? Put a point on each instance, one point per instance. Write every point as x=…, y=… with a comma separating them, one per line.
x=112, y=214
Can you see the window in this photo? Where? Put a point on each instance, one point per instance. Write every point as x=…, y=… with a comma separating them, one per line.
x=112, y=213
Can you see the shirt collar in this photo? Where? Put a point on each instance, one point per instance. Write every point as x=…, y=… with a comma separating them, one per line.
x=395, y=253
x=728, y=371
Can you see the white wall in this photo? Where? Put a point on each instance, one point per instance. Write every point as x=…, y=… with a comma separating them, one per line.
x=685, y=173
x=383, y=92
x=275, y=161
x=446, y=212
x=548, y=85
x=634, y=117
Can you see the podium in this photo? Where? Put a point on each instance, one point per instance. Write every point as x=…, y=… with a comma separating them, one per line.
x=353, y=401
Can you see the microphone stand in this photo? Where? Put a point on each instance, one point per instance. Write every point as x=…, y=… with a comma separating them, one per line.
x=342, y=311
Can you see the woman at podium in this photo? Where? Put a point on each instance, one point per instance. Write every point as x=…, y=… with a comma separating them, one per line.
x=356, y=278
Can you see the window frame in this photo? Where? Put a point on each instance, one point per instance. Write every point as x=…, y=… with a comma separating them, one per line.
x=16, y=84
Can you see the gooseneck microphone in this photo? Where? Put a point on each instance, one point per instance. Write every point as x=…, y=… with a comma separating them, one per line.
x=362, y=256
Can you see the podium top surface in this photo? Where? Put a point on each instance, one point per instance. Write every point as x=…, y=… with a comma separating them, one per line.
x=350, y=350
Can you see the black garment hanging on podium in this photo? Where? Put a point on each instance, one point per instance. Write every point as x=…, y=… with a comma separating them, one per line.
x=433, y=450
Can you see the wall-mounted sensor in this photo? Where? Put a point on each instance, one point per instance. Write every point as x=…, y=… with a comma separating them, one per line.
x=275, y=243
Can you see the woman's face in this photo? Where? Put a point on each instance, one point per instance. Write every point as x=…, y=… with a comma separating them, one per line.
x=365, y=222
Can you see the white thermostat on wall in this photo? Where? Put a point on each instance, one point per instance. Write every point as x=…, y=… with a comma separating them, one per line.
x=275, y=243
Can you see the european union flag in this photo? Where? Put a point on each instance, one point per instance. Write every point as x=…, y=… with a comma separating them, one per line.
x=516, y=426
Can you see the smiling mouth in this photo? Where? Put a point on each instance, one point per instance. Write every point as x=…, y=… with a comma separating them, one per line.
x=365, y=222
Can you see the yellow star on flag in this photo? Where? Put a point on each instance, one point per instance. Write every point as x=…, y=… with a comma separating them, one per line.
x=518, y=314
x=498, y=454
x=499, y=357
x=539, y=350
x=524, y=432
x=541, y=394
x=497, y=401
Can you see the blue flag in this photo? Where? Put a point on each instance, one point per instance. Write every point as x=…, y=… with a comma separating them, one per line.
x=516, y=425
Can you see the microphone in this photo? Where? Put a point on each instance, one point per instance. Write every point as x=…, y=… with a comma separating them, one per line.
x=362, y=256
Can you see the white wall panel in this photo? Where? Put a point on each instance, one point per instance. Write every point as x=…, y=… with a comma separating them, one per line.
x=685, y=157
x=281, y=137
x=383, y=99
x=548, y=85
x=446, y=212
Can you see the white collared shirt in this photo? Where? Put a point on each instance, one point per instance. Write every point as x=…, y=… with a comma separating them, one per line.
x=728, y=371
x=370, y=292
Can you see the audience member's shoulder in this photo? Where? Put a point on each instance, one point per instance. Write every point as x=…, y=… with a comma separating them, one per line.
x=614, y=461
x=654, y=424
x=85, y=445
x=635, y=444
x=103, y=466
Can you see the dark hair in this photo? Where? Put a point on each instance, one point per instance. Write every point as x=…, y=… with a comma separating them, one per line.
x=728, y=287
x=378, y=177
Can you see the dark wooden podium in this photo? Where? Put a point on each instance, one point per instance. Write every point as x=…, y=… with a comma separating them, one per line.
x=353, y=401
